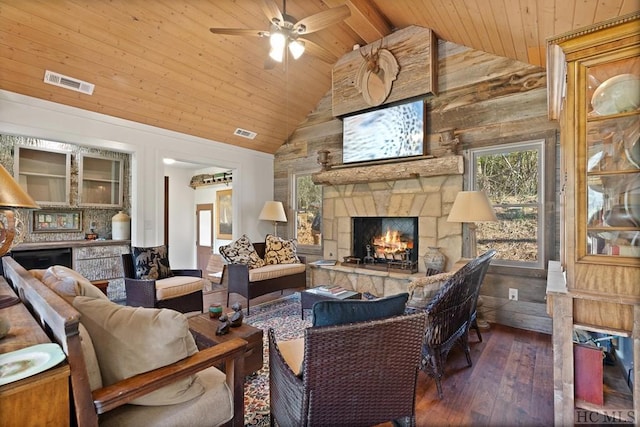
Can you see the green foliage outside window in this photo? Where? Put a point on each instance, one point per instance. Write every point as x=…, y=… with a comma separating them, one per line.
x=308, y=206
x=511, y=177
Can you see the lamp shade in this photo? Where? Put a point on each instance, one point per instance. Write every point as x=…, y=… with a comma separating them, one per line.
x=472, y=206
x=273, y=211
x=12, y=195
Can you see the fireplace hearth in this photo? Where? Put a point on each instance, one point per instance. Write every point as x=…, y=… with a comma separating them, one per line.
x=385, y=243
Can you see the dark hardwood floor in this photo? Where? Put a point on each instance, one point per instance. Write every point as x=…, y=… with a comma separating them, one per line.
x=509, y=384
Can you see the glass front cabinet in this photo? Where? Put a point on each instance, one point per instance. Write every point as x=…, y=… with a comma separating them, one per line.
x=100, y=181
x=594, y=92
x=44, y=174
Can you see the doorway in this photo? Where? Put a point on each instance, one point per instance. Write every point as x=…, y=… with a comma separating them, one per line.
x=204, y=233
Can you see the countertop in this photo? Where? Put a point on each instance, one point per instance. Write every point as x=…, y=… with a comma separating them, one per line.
x=67, y=244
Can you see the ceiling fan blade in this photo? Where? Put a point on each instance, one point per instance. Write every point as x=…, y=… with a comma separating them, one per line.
x=239, y=32
x=271, y=10
x=322, y=20
x=318, y=51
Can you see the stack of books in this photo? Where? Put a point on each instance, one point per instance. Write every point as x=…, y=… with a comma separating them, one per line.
x=332, y=289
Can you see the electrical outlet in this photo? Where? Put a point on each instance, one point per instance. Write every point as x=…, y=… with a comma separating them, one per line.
x=513, y=294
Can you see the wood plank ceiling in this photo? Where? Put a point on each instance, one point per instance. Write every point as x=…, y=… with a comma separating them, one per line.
x=156, y=62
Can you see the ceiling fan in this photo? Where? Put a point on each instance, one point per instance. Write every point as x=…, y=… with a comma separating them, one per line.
x=285, y=32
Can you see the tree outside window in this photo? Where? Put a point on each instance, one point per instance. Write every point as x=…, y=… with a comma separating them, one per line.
x=512, y=178
x=308, y=210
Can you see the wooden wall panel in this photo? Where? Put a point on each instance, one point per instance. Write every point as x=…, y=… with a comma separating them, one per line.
x=415, y=49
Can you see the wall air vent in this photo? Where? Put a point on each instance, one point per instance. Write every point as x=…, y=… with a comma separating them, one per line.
x=67, y=82
x=245, y=133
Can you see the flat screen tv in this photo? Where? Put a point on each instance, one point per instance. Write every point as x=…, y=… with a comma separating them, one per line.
x=386, y=133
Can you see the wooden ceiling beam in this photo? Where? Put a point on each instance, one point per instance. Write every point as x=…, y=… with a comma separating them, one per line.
x=365, y=20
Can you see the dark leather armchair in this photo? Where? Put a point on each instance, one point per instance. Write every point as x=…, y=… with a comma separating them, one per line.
x=183, y=292
x=450, y=315
x=357, y=374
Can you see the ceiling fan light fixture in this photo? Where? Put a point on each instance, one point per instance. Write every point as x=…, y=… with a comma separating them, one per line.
x=277, y=54
x=296, y=47
x=277, y=40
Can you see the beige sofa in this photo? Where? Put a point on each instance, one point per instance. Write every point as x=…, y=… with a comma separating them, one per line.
x=132, y=365
x=254, y=282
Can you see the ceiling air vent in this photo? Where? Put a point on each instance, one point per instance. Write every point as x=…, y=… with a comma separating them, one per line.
x=67, y=82
x=245, y=133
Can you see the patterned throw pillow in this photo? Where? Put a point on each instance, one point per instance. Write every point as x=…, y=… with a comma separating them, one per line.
x=151, y=263
x=241, y=252
x=280, y=251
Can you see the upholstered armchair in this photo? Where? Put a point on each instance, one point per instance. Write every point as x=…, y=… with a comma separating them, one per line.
x=150, y=282
x=450, y=315
x=355, y=374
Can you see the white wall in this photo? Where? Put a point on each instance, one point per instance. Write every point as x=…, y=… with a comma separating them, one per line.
x=182, y=221
x=253, y=170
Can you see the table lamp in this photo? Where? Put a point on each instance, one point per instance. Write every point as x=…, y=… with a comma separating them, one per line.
x=273, y=211
x=471, y=207
x=11, y=196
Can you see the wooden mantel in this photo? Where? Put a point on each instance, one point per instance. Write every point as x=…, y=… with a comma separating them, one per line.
x=449, y=165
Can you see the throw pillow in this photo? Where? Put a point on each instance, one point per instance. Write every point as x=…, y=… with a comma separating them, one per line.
x=423, y=289
x=280, y=251
x=132, y=340
x=338, y=312
x=69, y=283
x=241, y=251
x=151, y=263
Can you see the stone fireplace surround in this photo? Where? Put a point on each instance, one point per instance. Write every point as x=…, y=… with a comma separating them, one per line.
x=427, y=194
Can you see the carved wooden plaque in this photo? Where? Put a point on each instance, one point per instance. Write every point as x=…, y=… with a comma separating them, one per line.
x=415, y=50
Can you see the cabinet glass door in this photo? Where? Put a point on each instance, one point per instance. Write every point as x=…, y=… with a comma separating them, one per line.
x=44, y=174
x=613, y=158
x=100, y=181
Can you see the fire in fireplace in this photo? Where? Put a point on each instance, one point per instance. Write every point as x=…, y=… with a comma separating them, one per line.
x=387, y=242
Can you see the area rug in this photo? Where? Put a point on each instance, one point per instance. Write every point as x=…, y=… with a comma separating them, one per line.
x=284, y=317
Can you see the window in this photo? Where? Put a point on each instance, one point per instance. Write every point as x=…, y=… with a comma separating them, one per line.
x=512, y=177
x=308, y=211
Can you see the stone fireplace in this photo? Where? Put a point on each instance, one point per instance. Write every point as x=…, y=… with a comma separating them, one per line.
x=425, y=190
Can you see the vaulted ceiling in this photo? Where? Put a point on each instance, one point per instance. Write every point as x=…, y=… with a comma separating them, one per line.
x=156, y=62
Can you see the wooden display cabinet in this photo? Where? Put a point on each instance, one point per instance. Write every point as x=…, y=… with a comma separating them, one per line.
x=600, y=161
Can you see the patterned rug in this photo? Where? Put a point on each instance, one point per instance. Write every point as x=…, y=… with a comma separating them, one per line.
x=283, y=315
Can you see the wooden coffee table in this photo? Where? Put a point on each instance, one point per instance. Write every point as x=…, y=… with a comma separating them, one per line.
x=308, y=297
x=204, y=329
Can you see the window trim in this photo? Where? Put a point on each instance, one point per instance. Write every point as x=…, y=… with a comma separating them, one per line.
x=544, y=220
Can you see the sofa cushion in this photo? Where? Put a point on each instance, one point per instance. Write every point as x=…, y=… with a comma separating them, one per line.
x=338, y=312
x=177, y=286
x=132, y=340
x=241, y=251
x=273, y=271
x=69, y=283
x=151, y=262
x=280, y=251
x=90, y=358
x=213, y=408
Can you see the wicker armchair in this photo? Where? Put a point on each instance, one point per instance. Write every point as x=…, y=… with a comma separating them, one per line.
x=357, y=374
x=477, y=280
x=450, y=315
x=182, y=293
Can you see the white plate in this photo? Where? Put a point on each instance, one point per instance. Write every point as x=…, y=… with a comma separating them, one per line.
x=617, y=95
x=23, y=363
